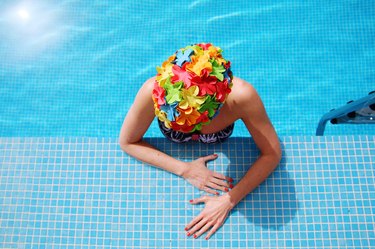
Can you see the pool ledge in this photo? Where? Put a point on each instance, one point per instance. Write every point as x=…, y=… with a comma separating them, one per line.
x=85, y=192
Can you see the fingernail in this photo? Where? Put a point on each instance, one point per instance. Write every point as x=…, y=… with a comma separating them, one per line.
x=186, y=228
x=217, y=193
x=230, y=179
x=231, y=185
x=226, y=190
x=215, y=155
x=188, y=234
x=206, y=238
x=191, y=201
x=195, y=236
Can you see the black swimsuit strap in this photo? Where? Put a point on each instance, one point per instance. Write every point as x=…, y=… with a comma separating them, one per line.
x=181, y=137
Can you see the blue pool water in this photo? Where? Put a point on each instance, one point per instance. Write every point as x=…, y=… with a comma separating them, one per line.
x=69, y=71
x=72, y=68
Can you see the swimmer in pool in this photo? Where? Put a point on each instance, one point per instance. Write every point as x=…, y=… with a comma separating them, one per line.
x=196, y=98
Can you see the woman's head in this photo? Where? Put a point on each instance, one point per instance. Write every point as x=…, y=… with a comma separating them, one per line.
x=191, y=86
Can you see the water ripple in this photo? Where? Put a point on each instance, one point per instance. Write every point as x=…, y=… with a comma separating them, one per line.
x=251, y=13
x=197, y=3
x=146, y=70
x=234, y=44
x=233, y=14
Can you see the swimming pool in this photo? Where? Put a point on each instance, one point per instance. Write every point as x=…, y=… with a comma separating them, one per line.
x=69, y=72
x=73, y=68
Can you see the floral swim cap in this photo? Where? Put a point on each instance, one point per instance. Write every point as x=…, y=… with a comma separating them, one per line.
x=191, y=86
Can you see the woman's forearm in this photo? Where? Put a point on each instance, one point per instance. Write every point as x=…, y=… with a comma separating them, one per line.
x=257, y=173
x=146, y=153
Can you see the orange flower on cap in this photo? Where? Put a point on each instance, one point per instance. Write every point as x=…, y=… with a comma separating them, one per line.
x=199, y=63
x=188, y=116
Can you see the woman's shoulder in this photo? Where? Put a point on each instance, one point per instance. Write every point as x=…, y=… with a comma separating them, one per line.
x=145, y=91
x=244, y=99
x=149, y=84
x=242, y=91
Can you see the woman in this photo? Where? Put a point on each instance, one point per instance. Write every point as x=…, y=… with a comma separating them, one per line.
x=195, y=97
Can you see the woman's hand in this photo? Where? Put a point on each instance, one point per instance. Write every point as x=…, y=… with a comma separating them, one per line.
x=212, y=216
x=197, y=174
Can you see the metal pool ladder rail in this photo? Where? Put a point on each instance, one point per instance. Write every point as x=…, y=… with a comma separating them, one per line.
x=361, y=111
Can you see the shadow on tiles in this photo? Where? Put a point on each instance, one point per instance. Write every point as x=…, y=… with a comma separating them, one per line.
x=271, y=205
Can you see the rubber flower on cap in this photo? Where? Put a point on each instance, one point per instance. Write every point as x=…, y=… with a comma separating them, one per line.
x=190, y=98
x=165, y=71
x=170, y=111
x=199, y=63
x=188, y=116
x=222, y=91
x=210, y=105
x=163, y=118
x=183, y=56
x=173, y=91
x=206, y=85
x=158, y=94
x=217, y=70
x=191, y=86
x=180, y=74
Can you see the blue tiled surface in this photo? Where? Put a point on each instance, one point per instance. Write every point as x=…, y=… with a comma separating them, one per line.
x=87, y=193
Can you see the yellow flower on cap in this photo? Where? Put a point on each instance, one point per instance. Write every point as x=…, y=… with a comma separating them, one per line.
x=163, y=118
x=164, y=73
x=200, y=63
x=190, y=98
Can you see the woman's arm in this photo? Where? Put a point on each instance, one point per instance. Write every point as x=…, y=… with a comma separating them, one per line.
x=250, y=109
x=254, y=115
x=135, y=125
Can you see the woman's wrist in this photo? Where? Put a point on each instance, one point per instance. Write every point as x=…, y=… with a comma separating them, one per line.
x=181, y=169
x=228, y=200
